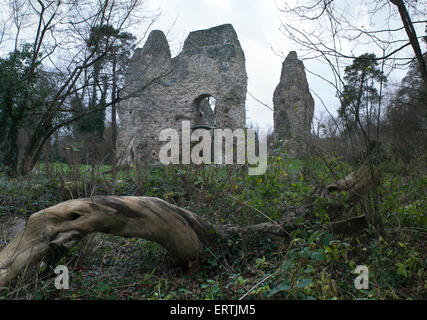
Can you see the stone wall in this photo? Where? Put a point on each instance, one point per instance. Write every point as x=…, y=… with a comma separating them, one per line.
x=293, y=107
x=165, y=91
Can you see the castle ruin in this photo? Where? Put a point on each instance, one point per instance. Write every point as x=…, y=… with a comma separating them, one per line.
x=166, y=91
x=207, y=85
x=293, y=107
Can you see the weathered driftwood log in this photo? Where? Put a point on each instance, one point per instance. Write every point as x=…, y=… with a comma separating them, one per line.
x=178, y=230
x=357, y=185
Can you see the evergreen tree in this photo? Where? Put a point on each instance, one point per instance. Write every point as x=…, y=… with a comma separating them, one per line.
x=112, y=49
x=15, y=103
x=360, y=97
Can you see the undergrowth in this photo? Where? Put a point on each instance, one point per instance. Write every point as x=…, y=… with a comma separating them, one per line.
x=312, y=263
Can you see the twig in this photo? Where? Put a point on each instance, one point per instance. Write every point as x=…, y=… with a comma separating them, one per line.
x=256, y=286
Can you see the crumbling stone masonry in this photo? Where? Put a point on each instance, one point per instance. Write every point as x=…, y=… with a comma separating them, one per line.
x=293, y=107
x=165, y=91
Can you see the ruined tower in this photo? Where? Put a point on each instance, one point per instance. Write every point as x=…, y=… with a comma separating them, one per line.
x=293, y=107
x=163, y=91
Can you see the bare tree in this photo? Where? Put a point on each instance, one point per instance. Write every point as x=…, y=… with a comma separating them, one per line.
x=61, y=44
x=412, y=37
x=337, y=31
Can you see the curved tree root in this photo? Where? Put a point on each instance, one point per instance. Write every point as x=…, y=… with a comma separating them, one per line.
x=180, y=231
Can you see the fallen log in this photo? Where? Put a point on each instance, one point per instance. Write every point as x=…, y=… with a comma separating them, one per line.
x=50, y=233
x=179, y=231
x=357, y=185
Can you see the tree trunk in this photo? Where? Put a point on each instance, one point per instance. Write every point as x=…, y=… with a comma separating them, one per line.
x=11, y=154
x=33, y=150
x=412, y=36
x=114, y=114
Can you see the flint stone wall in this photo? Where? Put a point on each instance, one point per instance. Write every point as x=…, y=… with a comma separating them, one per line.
x=165, y=91
x=293, y=107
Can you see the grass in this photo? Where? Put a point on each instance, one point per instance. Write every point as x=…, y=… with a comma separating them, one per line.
x=311, y=264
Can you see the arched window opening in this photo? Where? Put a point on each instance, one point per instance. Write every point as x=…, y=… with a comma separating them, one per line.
x=204, y=110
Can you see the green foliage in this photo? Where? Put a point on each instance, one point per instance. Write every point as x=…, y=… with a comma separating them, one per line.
x=18, y=101
x=112, y=48
x=311, y=264
x=360, y=97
